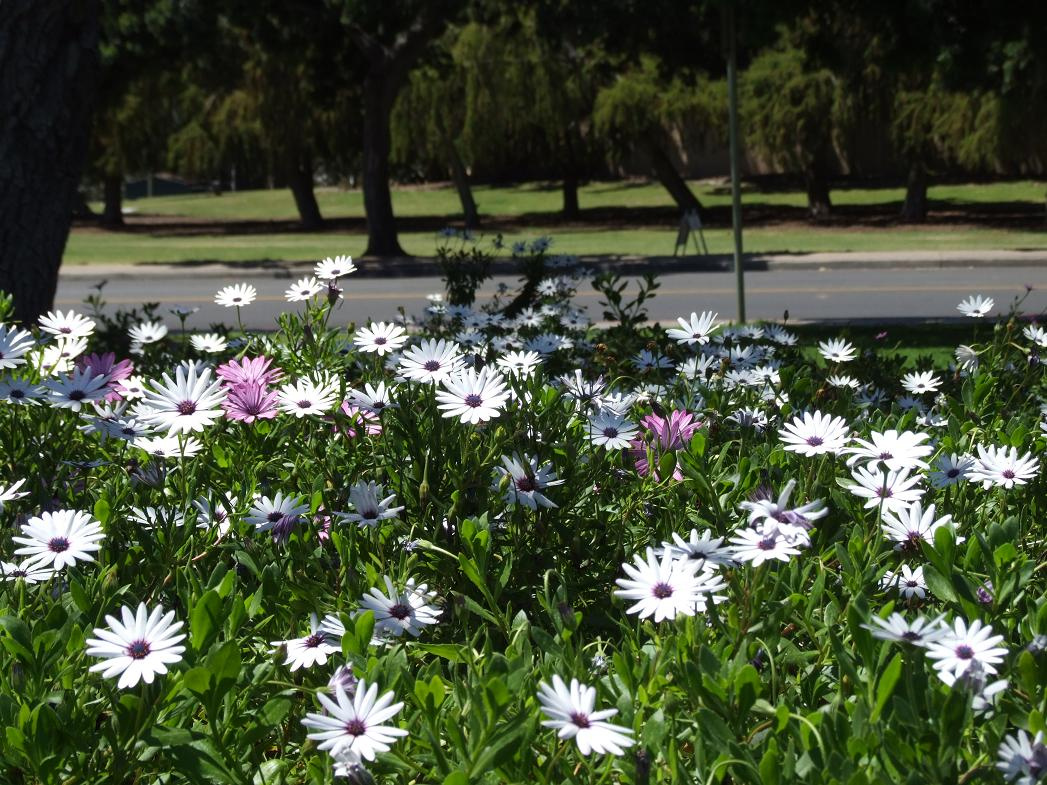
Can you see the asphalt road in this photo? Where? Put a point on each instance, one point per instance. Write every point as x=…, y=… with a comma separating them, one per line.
x=808, y=295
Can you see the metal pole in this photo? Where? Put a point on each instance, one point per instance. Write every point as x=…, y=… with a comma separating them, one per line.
x=736, y=186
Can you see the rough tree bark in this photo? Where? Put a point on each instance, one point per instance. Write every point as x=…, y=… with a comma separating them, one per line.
x=669, y=177
x=819, y=203
x=48, y=69
x=461, y=183
x=914, y=208
x=113, y=209
x=387, y=71
x=300, y=181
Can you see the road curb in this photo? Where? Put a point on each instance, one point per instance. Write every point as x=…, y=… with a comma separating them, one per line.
x=416, y=267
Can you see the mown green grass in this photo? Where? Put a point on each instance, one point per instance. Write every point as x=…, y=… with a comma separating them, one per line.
x=94, y=247
x=546, y=198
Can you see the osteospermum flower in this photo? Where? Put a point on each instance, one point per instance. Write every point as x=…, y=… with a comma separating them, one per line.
x=373, y=399
x=814, y=434
x=526, y=481
x=306, y=397
x=1002, y=467
x=11, y=492
x=793, y=521
x=908, y=581
x=403, y=611
x=236, y=296
x=912, y=524
x=758, y=546
x=14, y=343
x=355, y=724
x=28, y=570
x=209, y=343
x=60, y=538
x=249, y=369
x=919, y=383
x=961, y=646
x=664, y=587
x=431, y=361
x=73, y=392
x=1021, y=759
x=665, y=434
x=138, y=646
x=696, y=330
x=610, y=430
x=309, y=650
x=304, y=289
x=473, y=396
x=67, y=325
x=334, y=267
x=893, y=491
x=950, y=469
x=380, y=338
x=519, y=363
x=250, y=401
x=19, y=391
x=266, y=513
x=705, y=549
x=369, y=507
x=975, y=306
x=571, y=712
x=894, y=450
x=189, y=402
x=147, y=332
x=919, y=632
x=837, y=350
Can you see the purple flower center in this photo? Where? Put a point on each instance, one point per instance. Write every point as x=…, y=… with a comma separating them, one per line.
x=274, y=516
x=138, y=650
x=815, y=441
x=77, y=395
x=1008, y=474
x=884, y=493
x=355, y=728
x=610, y=432
x=58, y=545
x=526, y=484
x=885, y=456
x=18, y=393
x=473, y=400
x=399, y=611
x=432, y=365
x=662, y=590
x=380, y=340
x=766, y=544
x=304, y=404
x=66, y=330
x=909, y=635
x=313, y=640
x=579, y=719
x=952, y=473
x=187, y=407
x=964, y=652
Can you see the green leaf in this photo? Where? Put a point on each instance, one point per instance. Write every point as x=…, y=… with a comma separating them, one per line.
x=456, y=778
x=885, y=687
x=769, y=764
x=102, y=511
x=940, y=586
x=197, y=681
x=205, y=620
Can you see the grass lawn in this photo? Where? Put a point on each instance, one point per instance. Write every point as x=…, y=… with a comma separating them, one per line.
x=538, y=198
x=93, y=247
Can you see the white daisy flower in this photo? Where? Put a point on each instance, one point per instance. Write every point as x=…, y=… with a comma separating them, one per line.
x=431, y=361
x=373, y=399
x=334, y=267
x=647, y=360
x=610, y=430
x=894, y=450
x=369, y=507
x=12, y=492
x=19, y=391
x=309, y=650
x=758, y=546
x=131, y=388
x=236, y=296
x=961, y=646
x=790, y=522
x=266, y=513
x=28, y=570
x=696, y=330
x=209, y=343
x=519, y=363
x=837, y=350
x=1001, y=466
x=909, y=582
x=1036, y=334
x=526, y=481
x=1021, y=759
x=401, y=611
x=73, y=392
x=14, y=343
x=571, y=713
x=703, y=549
x=975, y=306
x=67, y=325
x=472, y=396
x=147, y=332
x=354, y=725
x=171, y=445
x=814, y=434
x=60, y=538
x=909, y=525
x=190, y=402
x=380, y=338
x=306, y=397
x=919, y=632
x=966, y=357
x=950, y=469
x=663, y=588
x=894, y=490
x=922, y=382
x=304, y=289
x=843, y=381
x=138, y=647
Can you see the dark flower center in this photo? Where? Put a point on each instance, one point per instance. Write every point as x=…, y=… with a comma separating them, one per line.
x=186, y=407
x=274, y=516
x=815, y=441
x=304, y=404
x=766, y=544
x=610, y=433
x=313, y=640
x=526, y=484
x=58, y=544
x=1008, y=474
x=884, y=493
x=18, y=393
x=66, y=330
x=379, y=340
x=579, y=719
x=432, y=365
x=473, y=400
x=661, y=591
x=885, y=456
x=964, y=652
x=912, y=584
x=138, y=650
x=77, y=395
x=909, y=635
x=355, y=728
x=952, y=473
x=400, y=611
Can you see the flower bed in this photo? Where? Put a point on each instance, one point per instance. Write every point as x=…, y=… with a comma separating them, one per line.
x=499, y=544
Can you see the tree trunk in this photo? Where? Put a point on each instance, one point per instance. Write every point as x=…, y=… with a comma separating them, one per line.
x=382, y=239
x=461, y=183
x=81, y=209
x=914, y=209
x=819, y=204
x=300, y=181
x=113, y=212
x=571, y=210
x=670, y=178
x=48, y=69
